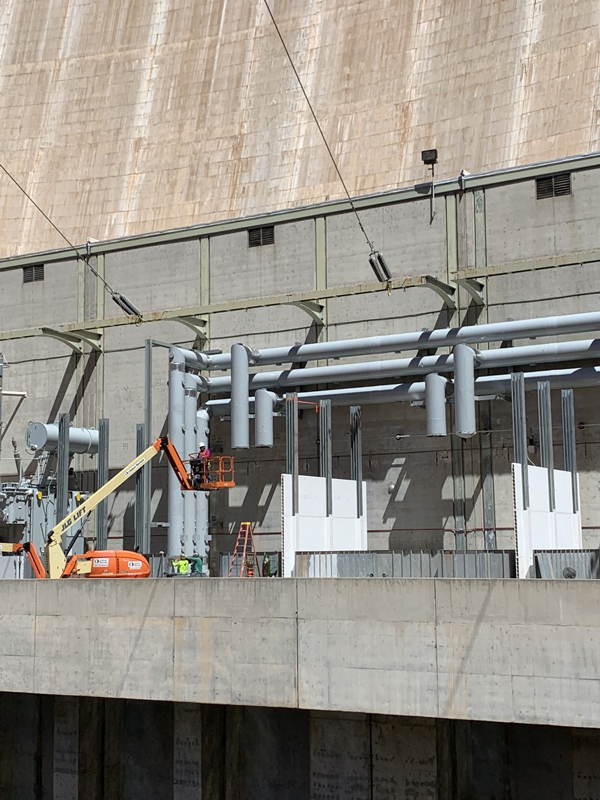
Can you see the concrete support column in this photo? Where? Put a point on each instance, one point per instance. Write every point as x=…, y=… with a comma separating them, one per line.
x=66, y=748
x=187, y=752
x=175, y=539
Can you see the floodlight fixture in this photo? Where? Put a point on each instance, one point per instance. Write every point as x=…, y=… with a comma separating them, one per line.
x=429, y=157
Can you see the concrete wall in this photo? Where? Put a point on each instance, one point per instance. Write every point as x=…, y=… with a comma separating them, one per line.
x=71, y=748
x=505, y=651
x=130, y=117
x=534, y=257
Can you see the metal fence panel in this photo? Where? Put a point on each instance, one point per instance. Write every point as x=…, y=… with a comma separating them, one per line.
x=567, y=564
x=407, y=564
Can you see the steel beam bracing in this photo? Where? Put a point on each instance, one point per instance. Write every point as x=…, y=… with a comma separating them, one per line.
x=393, y=343
x=392, y=368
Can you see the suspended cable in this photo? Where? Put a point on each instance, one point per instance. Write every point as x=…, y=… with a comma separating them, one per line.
x=120, y=299
x=325, y=142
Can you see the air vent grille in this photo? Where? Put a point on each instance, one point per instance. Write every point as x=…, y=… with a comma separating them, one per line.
x=33, y=273
x=553, y=186
x=258, y=237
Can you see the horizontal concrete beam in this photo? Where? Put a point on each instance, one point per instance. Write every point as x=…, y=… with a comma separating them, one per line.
x=509, y=651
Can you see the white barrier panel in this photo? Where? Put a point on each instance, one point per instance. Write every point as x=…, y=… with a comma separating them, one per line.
x=539, y=528
x=311, y=529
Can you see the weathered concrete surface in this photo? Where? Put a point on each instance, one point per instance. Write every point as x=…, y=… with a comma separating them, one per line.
x=510, y=651
x=125, y=117
x=132, y=749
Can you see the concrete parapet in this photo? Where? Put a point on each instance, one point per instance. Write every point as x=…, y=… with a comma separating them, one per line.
x=496, y=650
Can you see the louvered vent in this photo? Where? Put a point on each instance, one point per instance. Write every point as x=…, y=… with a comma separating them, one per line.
x=257, y=237
x=33, y=273
x=553, y=186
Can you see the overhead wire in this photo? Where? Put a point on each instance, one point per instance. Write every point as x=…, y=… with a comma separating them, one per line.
x=117, y=297
x=320, y=129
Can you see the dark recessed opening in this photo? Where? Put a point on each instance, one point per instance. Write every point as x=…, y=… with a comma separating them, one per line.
x=33, y=273
x=553, y=186
x=257, y=237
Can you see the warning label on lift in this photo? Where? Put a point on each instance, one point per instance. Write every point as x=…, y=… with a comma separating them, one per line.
x=134, y=564
x=101, y=562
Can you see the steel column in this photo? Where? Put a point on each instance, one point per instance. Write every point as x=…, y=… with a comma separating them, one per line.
x=101, y=519
x=1, y=433
x=175, y=429
x=140, y=446
x=325, y=454
x=487, y=476
x=62, y=469
x=570, y=442
x=519, y=422
x=291, y=445
x=147, y=469
x=356, y=472
x=546, y=439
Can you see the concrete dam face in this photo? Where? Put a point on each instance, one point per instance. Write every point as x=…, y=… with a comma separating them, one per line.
x=127, y=117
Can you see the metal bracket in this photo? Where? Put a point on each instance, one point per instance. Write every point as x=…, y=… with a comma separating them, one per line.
x=445, y=290
x=475, y=288
x=197, y=324
x=314, y=309
x=76, y=339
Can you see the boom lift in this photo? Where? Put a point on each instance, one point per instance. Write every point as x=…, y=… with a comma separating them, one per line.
x=104, y=563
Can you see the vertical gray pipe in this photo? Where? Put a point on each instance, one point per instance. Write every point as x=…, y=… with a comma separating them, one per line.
x=570, y=442
x=101, y=519
x=202, y=542
x=190, y=446
x=435, y=404
x=546, y=439
x=175, y=428
x=62, y=470
x=464, y=391
x=240, y=387
x=263, y=418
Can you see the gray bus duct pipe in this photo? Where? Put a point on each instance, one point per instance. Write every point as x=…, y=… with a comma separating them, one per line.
x=395, y=343
x=464, y=391
x=240, y=410
x=42, y=436
x=202, y=540
x=176, y=423
x=392, y=368
x=190, y=446
x=435, y=404
x=264, y=401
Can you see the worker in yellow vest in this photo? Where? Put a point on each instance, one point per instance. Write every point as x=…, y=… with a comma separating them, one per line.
x=181, y=565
